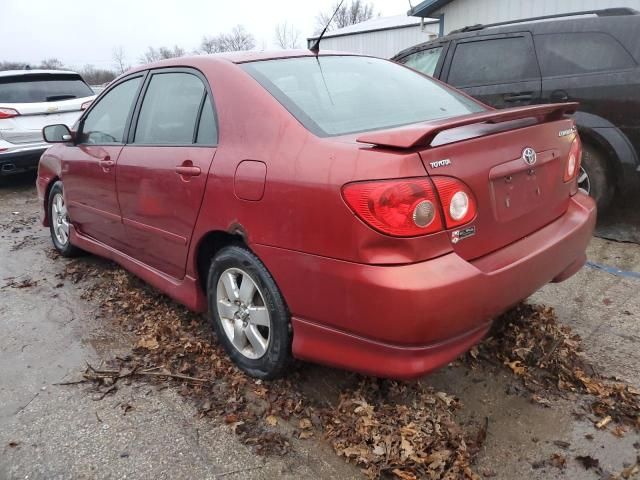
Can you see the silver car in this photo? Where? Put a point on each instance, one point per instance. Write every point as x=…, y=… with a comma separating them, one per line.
x=29, y=101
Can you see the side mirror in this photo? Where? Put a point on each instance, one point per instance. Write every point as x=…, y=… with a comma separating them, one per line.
x=57, y=134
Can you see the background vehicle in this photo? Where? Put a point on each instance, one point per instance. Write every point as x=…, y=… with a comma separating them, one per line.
x=30, y=100
x=314, y=212
x=591, y=58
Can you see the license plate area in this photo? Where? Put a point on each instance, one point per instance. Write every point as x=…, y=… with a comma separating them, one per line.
x=518, y=189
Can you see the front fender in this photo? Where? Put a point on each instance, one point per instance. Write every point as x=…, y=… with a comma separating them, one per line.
x=49, y=169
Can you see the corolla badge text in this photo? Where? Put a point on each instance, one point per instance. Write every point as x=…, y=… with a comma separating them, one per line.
x=566, y=133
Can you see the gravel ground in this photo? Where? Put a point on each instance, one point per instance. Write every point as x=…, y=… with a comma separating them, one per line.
x=149, y=431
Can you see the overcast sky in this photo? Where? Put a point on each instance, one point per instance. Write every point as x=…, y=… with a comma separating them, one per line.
x=80, y=32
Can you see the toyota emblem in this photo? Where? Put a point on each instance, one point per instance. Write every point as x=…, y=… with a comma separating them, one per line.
x=529, y=156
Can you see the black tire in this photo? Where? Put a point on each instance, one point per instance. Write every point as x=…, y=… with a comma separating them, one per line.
x=65, y=248
x=277, y=356
x=600, y=180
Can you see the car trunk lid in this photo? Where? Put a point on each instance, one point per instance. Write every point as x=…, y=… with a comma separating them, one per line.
x=486, y=151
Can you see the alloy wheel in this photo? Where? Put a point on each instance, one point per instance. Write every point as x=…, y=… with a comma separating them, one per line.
x=60, y=219
x=584, y=183
x=243, y=313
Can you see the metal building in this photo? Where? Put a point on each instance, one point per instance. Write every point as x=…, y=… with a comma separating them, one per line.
x=455, y=14
x=381, y=36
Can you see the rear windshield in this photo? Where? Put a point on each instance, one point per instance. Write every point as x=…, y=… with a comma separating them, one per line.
x=336, y=95
x=42, y=88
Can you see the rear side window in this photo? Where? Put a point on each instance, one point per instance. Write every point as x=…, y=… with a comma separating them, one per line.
x=37, y=88
x=170, y=109
x=207, y=129
x=495, y=61
x=106, y=121
x=576, y=53
x=424, y=61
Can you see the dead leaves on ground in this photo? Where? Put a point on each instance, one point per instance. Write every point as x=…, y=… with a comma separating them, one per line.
x=548, y=358
x=402, y=430
x=407, y=430
x=387, y=428
x=16, y=282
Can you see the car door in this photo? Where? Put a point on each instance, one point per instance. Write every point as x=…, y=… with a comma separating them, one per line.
x=162, y=171
x=594, y=69
x=499, y=70
x=88, y=166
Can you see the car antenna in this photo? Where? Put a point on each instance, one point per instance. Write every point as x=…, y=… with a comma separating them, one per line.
x=316, y=46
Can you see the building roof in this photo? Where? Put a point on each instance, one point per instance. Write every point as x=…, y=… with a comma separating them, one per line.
x=12, y=73
x=427, y=7
x=374, y=25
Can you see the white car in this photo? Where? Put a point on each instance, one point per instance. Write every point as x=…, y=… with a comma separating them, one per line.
x=29, y=101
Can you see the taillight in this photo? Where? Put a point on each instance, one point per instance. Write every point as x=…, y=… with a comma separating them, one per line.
x=458, y=202
x=402, y=208
x=573, y=160
x=85, y=105
x=8, y=113
x=411, y=207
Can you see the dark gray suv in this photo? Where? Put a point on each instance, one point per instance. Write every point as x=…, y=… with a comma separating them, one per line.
x=589, y=57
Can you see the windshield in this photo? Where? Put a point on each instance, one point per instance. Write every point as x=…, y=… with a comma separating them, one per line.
x=42, y=88
x=336, y=95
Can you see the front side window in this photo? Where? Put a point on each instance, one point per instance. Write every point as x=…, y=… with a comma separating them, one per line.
x=170, y=109
x=336, y=95
x=42, y=87
x=107, y=120
x=576, y=53
x=424, y=61
x=494, y=61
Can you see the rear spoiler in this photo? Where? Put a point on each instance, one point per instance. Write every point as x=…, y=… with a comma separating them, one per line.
x=422, y=134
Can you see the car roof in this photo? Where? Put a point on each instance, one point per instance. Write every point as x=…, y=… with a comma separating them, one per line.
x=13, y=73
x=587, y=23
x=238, y=57
x=257, y=55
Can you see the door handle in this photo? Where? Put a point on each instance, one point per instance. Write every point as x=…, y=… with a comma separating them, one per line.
x=106, y=163
x=518, y=97
x=188, y=170
x=559, y=96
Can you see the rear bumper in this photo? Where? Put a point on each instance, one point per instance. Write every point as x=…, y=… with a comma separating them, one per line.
x=405, y=321
x=21, y=159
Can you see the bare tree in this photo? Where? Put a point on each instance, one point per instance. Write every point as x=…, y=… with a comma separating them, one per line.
x=96, y=76
x=208, y=45
x=161, y=53
x=287, y=36
x=13, y=66
x=120, y=60
x=239, y=39
x=236, y=40
x=350, y=13
x=52, y=64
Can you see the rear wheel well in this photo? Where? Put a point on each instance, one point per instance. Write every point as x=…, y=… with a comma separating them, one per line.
x=211, y=244
x=602, y=146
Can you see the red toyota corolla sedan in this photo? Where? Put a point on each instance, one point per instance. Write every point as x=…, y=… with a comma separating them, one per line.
x=334, y=208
